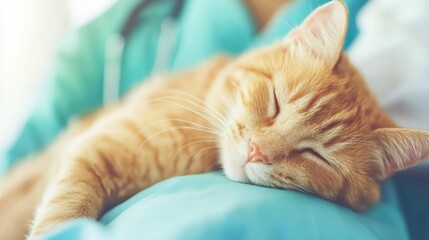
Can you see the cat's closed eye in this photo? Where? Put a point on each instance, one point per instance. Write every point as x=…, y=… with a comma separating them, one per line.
x=276, y=104
x=309, y=152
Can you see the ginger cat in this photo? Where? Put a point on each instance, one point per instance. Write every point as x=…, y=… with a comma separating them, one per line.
x=293, y=115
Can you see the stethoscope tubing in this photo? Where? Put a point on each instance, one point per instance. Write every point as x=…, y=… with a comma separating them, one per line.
x=116, y=43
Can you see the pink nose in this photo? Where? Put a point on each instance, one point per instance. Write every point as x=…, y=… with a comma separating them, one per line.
x=255, y=155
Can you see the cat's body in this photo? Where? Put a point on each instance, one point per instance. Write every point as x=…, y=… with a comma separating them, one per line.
x=293, y=115
x=149, y=146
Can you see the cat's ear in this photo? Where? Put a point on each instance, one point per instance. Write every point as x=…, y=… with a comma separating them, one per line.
x=322, y=34
x=402, y=148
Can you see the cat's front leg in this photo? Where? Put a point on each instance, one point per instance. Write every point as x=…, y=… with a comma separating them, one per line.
x=100, y=170
x=114, y=160
x=77, y=192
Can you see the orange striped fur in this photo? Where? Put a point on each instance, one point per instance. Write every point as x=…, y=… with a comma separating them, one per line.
x=292, y=115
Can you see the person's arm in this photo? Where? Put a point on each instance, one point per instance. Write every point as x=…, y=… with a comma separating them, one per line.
x=73, y=88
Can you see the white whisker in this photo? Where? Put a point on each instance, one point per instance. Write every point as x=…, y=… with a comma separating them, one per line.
x=197, y=153
x=171, y=129
x=194, y=142
x=204, y=105
x=201, y=114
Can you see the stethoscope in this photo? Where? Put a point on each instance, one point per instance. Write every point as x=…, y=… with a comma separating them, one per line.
x=115, y=48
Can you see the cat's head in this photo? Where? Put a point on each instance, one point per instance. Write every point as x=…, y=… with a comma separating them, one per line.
x=302, y=118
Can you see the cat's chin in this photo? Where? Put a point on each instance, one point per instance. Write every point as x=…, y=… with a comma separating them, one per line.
x=257, y=173
x=254, y=173
x=235, y=171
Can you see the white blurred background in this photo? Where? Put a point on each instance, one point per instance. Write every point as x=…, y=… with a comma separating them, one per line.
x=30, y=32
